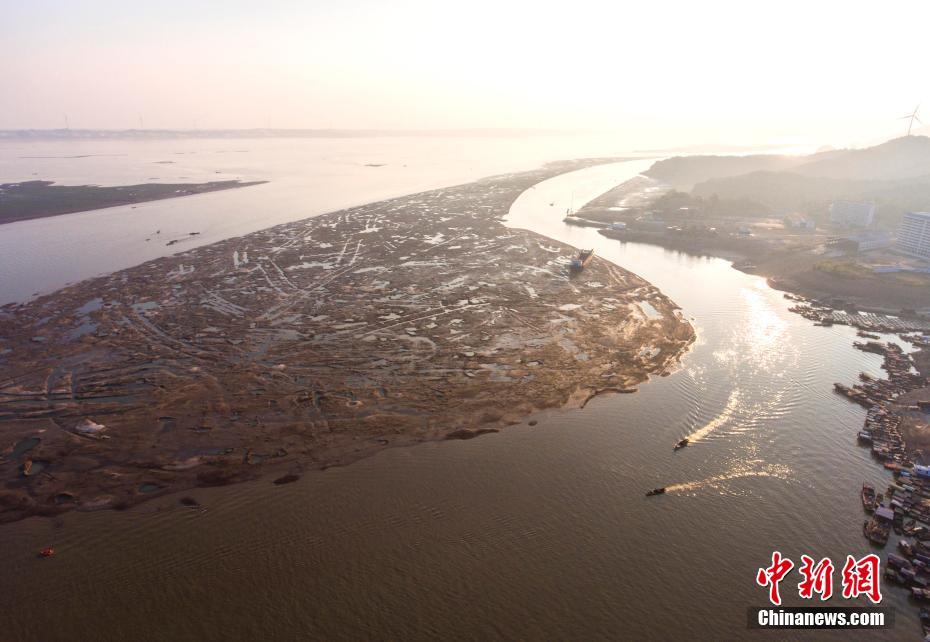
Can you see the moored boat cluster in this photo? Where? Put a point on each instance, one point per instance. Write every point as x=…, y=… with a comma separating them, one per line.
x=904, y=508
x=882, y=426
x=822, y=314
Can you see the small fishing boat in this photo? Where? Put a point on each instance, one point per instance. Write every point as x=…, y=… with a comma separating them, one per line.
x=894, y=576
x=47, y=552
x=868, y=497
x=584, y=257
x=876, y=532
x=920, y=594
x=681, y=444
x=655, y=491
x=896, y=561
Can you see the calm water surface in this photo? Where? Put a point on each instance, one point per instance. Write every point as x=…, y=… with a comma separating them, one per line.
x=536, y=532
x=306, y=177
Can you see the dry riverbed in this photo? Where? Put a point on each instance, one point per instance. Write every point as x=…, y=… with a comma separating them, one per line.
x=312, y=344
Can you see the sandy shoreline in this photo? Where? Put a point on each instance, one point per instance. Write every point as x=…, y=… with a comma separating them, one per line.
x=313, y=344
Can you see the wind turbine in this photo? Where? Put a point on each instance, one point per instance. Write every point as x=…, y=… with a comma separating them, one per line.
x=912, y=117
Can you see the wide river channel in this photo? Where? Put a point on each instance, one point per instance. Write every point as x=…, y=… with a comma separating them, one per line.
x=538, y=532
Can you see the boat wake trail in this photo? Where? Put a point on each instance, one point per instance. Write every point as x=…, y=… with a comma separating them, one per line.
x=719, y=420
x=741, y=415
x=743, y=469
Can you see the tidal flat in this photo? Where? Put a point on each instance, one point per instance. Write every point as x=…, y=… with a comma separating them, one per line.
x=39, y=199
x=313, y=344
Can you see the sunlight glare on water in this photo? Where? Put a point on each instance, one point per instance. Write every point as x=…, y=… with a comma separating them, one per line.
x=536, y=532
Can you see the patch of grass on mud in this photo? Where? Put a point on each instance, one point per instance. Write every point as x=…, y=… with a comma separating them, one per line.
x=853, y=270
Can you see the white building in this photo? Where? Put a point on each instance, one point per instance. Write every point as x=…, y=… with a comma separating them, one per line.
x=852, y=213
x=869, y=240
x=864, y=241
x=914, y=235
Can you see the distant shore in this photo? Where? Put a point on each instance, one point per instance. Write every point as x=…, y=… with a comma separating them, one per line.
x=166, y=134
x=793, y=272
x=40, y=199
x=790, y=262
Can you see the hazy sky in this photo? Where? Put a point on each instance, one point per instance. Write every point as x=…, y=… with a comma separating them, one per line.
x=663, y=72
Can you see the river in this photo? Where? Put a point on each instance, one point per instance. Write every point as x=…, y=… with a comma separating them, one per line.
x=538, y=532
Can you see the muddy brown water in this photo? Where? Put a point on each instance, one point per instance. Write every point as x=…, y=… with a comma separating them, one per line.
x=536, y=532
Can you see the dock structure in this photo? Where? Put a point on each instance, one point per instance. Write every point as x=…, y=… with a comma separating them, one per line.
x=869, y=321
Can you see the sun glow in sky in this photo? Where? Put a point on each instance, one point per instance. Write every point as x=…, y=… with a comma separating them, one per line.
x=660, y=72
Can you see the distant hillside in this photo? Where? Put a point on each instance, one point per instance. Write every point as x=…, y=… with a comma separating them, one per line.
x=787, y=190
x=896, y=175
x=901, y=158
x=684, y=172
x=906, y=157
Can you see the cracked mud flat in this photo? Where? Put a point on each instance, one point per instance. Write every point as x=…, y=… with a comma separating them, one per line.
x=312, y=344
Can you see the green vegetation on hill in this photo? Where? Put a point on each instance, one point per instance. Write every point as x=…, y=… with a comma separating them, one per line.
x=682, y=204
x=853, y=270
x=782, y=191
